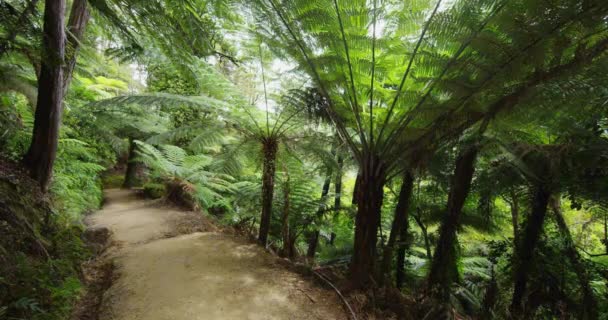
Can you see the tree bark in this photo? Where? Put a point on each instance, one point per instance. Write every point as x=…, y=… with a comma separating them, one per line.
x=398, y=228
x=313, y=238
x=525, y=249
x=369, y=196
x=338, y=185
x=269, y=148
x=132, y=167
x=79, y=18
x=41, y=155
x=589, y=305
x=443, y=268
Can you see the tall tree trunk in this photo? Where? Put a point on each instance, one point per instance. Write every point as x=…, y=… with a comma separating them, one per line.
x=525, y=249
x=338, y=185
x=286, y=251
x=132, y=167
x=40, y=157
x=269, y=148
x=589, y=306
x=29, y=9
x=399, y=226
x=313, y=238
x=79, y=18
x=443, y=268
x=369, y=195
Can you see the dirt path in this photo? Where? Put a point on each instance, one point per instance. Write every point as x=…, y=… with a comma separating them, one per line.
x=202, y=275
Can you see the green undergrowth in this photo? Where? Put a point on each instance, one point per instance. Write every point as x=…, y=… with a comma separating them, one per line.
x=41, y=250
x=154, y=190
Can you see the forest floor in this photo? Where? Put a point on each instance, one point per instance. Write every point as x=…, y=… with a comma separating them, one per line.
x=167, y=269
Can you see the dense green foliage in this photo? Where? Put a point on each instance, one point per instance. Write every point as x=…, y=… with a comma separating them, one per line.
x=302, y=121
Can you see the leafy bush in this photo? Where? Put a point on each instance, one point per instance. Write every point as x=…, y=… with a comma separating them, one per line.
x=154, y=190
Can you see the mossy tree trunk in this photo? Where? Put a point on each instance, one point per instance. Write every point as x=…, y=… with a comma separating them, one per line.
x=132, y=167
x=269, y=149
x=398, y=228
x=40, y=157
x=443, y=268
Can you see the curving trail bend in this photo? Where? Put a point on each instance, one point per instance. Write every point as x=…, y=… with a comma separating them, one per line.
x=201, y=275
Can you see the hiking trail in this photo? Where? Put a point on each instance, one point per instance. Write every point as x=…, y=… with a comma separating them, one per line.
x=202, y=275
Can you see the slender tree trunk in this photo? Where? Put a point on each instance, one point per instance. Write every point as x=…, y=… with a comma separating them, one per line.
x=40, y=157
x=269, y=148
x=313, y=238
x=525, y=249
x=443, y=268
x=286, y=251
x=30, y=7
x=425, y=235
x=338, y=185
x=79, y=18
x=369, y=195
x=399, y=226
x=132, y=167
x=589, y=306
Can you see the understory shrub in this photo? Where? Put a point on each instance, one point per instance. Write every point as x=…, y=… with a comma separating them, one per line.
x=154, y=190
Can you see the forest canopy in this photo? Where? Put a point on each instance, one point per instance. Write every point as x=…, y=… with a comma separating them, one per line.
x=450, y=155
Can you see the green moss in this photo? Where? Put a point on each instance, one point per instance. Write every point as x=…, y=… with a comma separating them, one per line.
x=154, y=190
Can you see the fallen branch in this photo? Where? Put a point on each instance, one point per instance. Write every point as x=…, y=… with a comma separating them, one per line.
x=352, y=313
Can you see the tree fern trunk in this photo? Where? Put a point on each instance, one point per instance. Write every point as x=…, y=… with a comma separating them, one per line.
x=399, y=226
x=589, y=305
x=443, y=268
x=369, y=195
x=40, y=157
x=79, y=18
x=269, y=148
x=525, y=249
x=132, y=167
